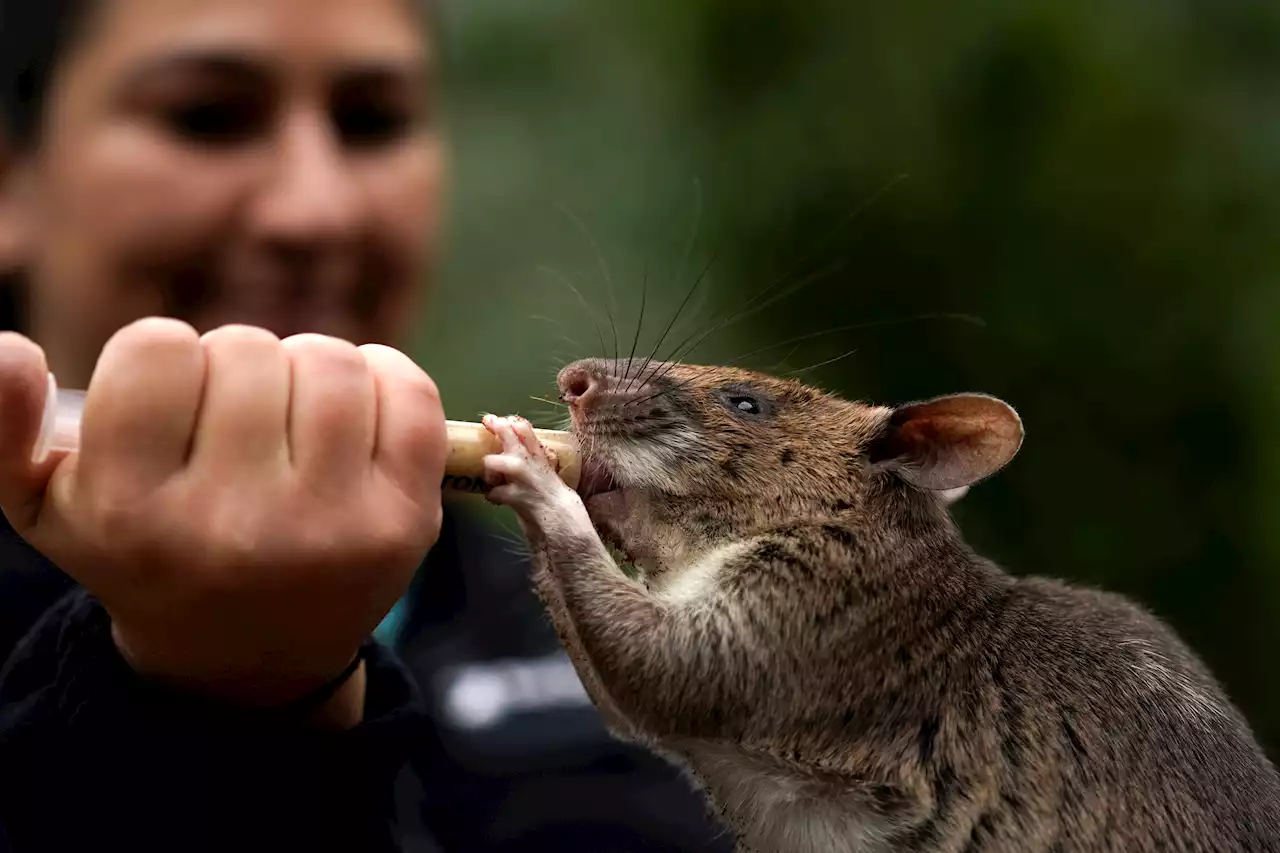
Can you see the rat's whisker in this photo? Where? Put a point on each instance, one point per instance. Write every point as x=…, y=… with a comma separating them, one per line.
x=743, y=312
x=783, y=363
x=559, y=359
x=644, y=294
x=966, y=318
x=820, y=364
x=604, y=268
x=698, y=374
x=787, y=276
x=978, y=321
x=684, y=260
x=572, y=341
x=569, y=284
x=676, y=387
x=693, y=234
x=552, y=402
x=676, y=316
x=517, y=545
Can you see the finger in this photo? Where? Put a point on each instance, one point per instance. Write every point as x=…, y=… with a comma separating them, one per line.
x=506, y=435
x=333, y=416
x=529, y=439
x=505, y=495
x=141, y=406
x=412, y=441
x=524, y=432
x=501, y=469
x=244, y=413
x=23, y=386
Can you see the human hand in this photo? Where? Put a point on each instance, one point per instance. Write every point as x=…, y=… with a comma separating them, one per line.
x=246, y=509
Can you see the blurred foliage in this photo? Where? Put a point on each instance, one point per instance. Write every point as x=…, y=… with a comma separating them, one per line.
x=1099, y=182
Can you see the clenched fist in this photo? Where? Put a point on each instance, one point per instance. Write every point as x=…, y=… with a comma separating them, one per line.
x=246, y=509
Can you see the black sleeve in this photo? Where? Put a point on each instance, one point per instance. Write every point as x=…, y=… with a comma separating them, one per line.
x=94, y=757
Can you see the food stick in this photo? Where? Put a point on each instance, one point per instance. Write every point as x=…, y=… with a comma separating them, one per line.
x=469, y=443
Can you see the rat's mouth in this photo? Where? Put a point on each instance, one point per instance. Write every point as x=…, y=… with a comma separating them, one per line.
x=605, y=501
x=595, y=479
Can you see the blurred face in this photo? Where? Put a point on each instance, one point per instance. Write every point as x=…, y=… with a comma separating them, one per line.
x=272, y=162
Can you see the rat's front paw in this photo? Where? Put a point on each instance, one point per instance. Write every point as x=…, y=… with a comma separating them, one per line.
x=523, y=476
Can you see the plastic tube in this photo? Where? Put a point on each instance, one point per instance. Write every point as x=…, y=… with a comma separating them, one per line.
x=469, y=443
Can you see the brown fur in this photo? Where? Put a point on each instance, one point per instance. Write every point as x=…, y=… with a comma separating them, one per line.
x=814, y=641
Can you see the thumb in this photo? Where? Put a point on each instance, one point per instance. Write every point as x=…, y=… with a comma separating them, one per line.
x=24, y=384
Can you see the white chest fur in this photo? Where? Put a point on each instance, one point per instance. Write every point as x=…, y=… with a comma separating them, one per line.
x=776, y=812
x=698, y=582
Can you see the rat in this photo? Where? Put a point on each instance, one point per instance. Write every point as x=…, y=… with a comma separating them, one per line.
x=810, y=637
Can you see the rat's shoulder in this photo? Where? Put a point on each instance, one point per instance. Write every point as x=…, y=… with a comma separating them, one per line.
x=1072, y=610
x=1098, y=643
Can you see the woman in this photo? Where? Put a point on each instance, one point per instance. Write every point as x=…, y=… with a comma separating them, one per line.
x=250, y=500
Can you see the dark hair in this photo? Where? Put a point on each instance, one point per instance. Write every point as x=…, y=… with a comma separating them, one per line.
x=34, y=35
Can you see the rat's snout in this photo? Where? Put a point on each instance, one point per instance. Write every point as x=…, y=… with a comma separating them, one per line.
x=604, y=390
x=579, y=386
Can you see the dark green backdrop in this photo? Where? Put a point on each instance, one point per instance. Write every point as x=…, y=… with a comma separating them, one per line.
x=1097, y=180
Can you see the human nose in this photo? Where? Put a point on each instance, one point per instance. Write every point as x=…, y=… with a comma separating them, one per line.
x=309, y=195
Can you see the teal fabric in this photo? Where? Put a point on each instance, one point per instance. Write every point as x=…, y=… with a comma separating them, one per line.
x=388, y=631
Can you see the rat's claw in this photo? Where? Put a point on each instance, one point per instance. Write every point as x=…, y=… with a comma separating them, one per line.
x=523, y=475
x=528, y=438
x=518, y=439
x=502, y=430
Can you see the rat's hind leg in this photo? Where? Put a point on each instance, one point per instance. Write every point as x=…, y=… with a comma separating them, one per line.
x=533, y=496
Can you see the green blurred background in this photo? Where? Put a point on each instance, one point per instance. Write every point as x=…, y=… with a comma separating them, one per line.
x=1097, y=180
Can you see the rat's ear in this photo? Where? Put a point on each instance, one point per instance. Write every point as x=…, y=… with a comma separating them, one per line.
x=949, y=443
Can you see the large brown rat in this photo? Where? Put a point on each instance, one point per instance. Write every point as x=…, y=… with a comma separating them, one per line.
x=815, y=642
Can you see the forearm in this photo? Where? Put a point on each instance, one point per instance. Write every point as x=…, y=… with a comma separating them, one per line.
x=672, y=670
x=551, y=593
x=93, y=753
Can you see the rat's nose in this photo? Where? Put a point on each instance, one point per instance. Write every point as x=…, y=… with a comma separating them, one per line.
x=578, y=385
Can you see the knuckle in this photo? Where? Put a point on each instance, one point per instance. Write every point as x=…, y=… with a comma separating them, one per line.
x=19, y=346
x=422, y=389
x=237, y=335
x=428, y=431
x=116, y=521
x=159, y=338
x=402, y=534
x=233, y=545
x=121, y=523
x=388, y=360
x=330, y=352
x=323, y=346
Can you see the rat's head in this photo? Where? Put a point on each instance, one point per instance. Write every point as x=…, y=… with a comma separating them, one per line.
x=692, y=455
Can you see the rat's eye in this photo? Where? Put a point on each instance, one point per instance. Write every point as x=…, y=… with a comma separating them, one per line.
x=746, y=402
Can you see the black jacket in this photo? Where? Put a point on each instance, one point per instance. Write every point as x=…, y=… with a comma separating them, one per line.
x=477, y=736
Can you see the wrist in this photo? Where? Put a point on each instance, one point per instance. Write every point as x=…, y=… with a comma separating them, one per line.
x=328, y=695
x=345, y=708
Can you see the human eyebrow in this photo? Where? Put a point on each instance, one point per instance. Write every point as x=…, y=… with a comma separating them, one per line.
x=408, y=75
x=237, y=67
